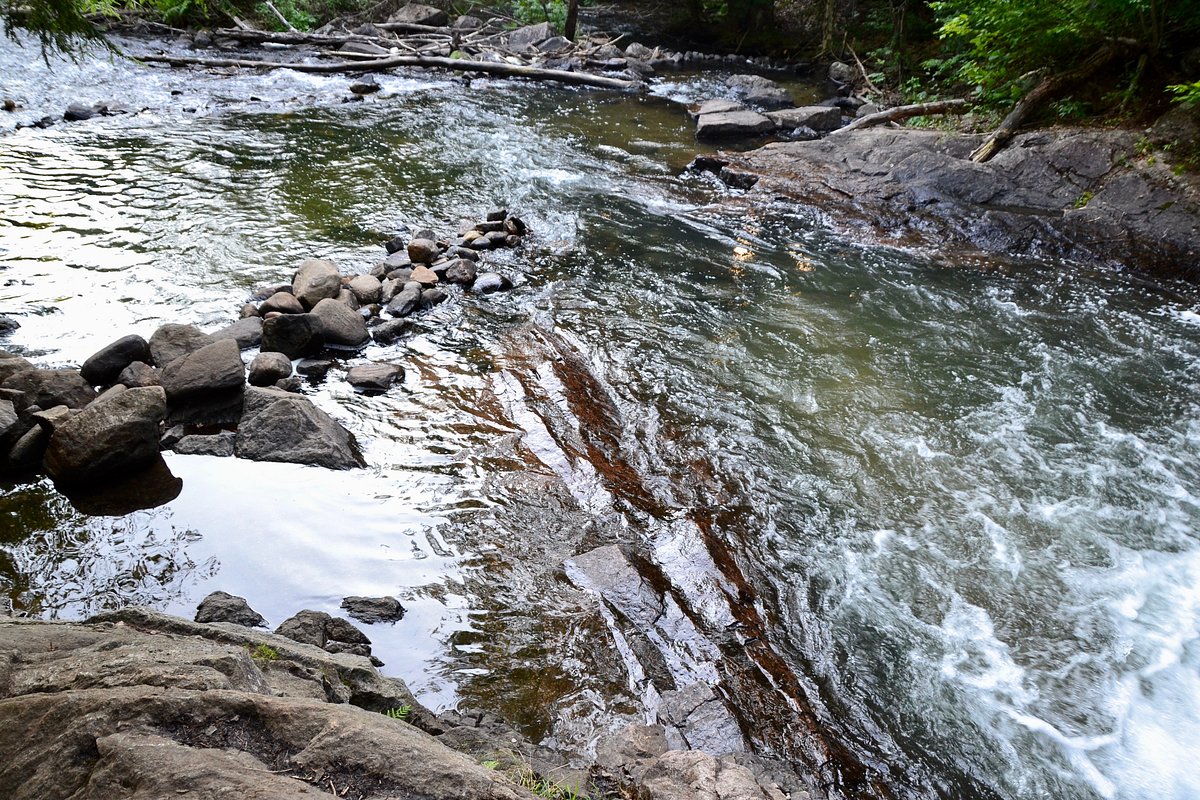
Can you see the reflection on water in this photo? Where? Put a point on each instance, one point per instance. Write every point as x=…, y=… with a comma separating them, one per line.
x=944, y=513
x=58, y=563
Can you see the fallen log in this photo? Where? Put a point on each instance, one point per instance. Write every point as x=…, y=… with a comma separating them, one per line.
x=904, y=112
x=1049, y=87
x=458, y=64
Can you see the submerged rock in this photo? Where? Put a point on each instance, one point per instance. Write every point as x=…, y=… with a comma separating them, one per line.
x=374, y=378
x=373, y=610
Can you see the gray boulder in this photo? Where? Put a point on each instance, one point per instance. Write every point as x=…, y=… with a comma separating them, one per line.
x=366, y=289
x=283, y=302
x=488, y=282
x=294, y=335
x=732, y=125
x=432, y=297
x=717, y=106
x=374, y=378
x=225, y=607
x=529, y=36
x=138, y=705
x=418, y=14
x=373, y=609
x=212, y=369
x=406, y=301
x=172, y=341
x=221, y=445
x=340, y=326
x=8, y=418
x=267, y=368
x=319, y=629
x=760, y=91
x=278, y=426
x=819, y=118
x=316, y=280
x=247, y=332
x=390, y=331
x=461, y=271
x=423, y=251
x=47, y=388
x=109, y=438
x=840, y=72
x=139, y=374
x=103, y=367
x=11, y=364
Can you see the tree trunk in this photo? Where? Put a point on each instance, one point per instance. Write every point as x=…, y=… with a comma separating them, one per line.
x=1049, y=87
x=460, y=64
x=904, y=112
x=572, y=19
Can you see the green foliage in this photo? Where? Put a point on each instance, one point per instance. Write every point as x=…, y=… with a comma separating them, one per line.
x=533, y=11
x=301, y=18
x=1083, y=200
x=58, y=24
x=401, y=713
x=264, y=652
x=1187, y=94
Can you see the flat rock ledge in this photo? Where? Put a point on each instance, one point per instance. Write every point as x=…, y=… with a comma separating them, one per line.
x=138, y=704
x=1080, y=194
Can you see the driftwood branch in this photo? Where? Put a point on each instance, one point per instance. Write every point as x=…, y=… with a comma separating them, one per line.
x=1047, y=88
x=286, y=23
x=459, y=64
x=904, y=112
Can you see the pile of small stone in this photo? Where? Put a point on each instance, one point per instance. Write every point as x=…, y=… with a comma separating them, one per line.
x=187, y=390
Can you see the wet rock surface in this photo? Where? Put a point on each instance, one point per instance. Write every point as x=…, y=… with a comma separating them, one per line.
x=372, y=610
x=225, y=607
x=1077, y=194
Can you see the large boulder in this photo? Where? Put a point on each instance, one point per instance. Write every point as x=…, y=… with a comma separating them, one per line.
x=374, y=378
x=138, y=705
x=267, y=368
x=278, y=426
x=104, y=366
x=819, y=118
x=529, y=36
x=109, y=438
x=172, y=341
x=213, y=369
x=47, y=388
x=283, y=302
x=139, y=374
x=340, y=325
x=247, y=332
x=225, y=607
x=11, y=364
x=315, y=280
x=406, y=301
x=732, y=125
x=418, y=14
x=759, y=91
x=294, y=335
x=366, y=289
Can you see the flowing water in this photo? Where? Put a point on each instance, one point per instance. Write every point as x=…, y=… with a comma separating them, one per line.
x=934, y=522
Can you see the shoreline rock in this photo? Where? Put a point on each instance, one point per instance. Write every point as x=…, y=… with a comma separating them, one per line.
x=1077, y=194
x=134, y=703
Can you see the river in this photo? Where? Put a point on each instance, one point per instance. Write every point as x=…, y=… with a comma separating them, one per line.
x=944, y=512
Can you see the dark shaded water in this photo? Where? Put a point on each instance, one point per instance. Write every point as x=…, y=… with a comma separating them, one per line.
x=948, y=512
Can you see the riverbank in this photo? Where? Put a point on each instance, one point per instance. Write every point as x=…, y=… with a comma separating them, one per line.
x=1101, y=198
x=136, y=704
